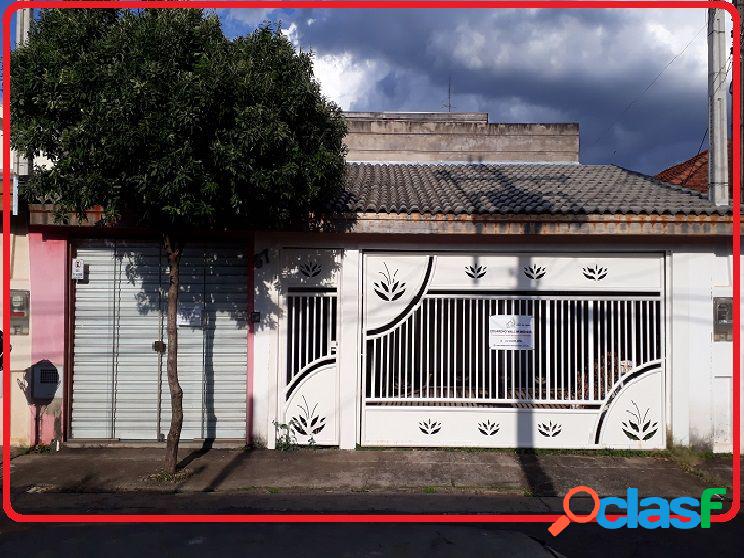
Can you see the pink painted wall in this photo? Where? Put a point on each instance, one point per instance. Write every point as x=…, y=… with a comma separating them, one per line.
x=48, y=278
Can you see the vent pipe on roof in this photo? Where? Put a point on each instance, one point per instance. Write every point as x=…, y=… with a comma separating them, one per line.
x=717, y=91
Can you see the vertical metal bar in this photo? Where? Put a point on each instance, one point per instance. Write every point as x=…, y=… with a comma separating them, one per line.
x=387, y=341
x=428, y=341
x=373, y=369
x=477, y=345
x=582, y=348
x=518, y=354
x=561, y=333
x=604, y=347
x=460, y=359
x=548, y=349
x=657, y=329
x=469, y=370
x=489, y=371
x=305, y=329
x=591, y=349
x=634, y=344
x=643, y=310
x=440, y=310
x=652, y=355
x=448, y=348
x=291, y=326
x=623, y=306
x=420, y=341
x=573, y=378
x=399, y=354
x=510, y=311
x=427, y=344
x=613, y=345
x=532, y=356
x=404, y=366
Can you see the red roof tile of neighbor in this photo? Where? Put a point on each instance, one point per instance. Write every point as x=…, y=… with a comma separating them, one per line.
x=693, y=173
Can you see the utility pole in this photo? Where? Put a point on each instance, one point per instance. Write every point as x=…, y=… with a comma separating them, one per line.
x=717, y=115
x=740, y=8
x=20, y=165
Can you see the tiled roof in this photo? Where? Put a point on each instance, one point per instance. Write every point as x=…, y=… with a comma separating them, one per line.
x=693, y=173
x=531, y=189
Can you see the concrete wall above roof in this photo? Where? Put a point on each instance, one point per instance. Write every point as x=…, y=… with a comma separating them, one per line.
x=457, y=137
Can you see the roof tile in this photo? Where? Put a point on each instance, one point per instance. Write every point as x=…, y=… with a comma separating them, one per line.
x=475, y=189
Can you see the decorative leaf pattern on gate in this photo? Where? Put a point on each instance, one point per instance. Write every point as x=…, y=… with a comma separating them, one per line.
x=488, y=427
x=308, y=422
x=430, y=426
x=595, y=273
x=311, y=269
x=534, y=271
x=475, y=271
x=636, y=427
x=549, y=429
x=389, y=288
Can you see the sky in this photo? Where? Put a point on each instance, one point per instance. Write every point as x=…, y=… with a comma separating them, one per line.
x=634, y=80
x=593, y=67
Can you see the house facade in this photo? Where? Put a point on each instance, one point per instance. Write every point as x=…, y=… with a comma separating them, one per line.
x=481, y=288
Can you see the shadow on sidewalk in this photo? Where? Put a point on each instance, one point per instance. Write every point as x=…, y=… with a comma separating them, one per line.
x=235, y=463
x=539, y=482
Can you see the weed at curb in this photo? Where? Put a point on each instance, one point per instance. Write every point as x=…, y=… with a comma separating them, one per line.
x=285, y=438
x=164, y=477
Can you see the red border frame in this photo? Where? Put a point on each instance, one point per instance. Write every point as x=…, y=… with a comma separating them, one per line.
x=348, y=4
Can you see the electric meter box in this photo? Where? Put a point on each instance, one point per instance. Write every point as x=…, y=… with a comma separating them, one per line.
x=19, y=312
x=45, y=381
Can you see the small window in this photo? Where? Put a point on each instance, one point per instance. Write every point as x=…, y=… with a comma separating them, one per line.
x=723, y=319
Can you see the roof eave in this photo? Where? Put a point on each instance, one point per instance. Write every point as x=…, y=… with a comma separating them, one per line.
x=550, y=224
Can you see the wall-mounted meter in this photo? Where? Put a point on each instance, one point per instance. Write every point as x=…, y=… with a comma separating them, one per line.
x=19, y=312
x=723, y=318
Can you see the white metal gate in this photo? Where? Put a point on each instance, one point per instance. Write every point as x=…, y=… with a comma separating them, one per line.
x=120, y=388
x=592, y=375
x=308, y=376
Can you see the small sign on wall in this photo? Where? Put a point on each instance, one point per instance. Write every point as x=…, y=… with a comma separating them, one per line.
x=78, y=269
x=510, y=332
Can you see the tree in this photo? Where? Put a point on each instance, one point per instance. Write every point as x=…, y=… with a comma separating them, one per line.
x=159, y=119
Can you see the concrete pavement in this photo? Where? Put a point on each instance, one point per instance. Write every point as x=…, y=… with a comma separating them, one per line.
x=485, y=472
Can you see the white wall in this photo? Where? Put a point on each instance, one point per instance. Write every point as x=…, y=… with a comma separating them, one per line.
x=698, y=394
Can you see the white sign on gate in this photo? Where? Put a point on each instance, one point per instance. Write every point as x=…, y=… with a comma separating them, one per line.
x=510, y=332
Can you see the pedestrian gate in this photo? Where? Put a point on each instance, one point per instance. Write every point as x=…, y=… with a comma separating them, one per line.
x=513, y=350
x=308, y=398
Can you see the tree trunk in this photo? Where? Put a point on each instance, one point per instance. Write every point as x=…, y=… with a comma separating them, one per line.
x=174, y=250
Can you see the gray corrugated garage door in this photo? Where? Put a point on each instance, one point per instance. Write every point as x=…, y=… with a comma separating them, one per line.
x=118, y=317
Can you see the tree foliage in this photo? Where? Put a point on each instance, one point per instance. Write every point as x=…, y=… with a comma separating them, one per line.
x=158, y=118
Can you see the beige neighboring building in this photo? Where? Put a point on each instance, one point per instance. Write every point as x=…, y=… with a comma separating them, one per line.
x=457, y=137
x=20, y=358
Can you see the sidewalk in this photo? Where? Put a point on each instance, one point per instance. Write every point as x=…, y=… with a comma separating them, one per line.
x=338, y=480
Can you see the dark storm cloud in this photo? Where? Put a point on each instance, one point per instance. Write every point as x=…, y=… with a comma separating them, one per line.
x=580, y=65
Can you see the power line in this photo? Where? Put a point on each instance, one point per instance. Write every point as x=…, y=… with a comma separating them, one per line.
x=649, y=86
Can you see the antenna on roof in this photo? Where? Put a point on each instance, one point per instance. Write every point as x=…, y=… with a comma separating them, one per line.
x=449, y=105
